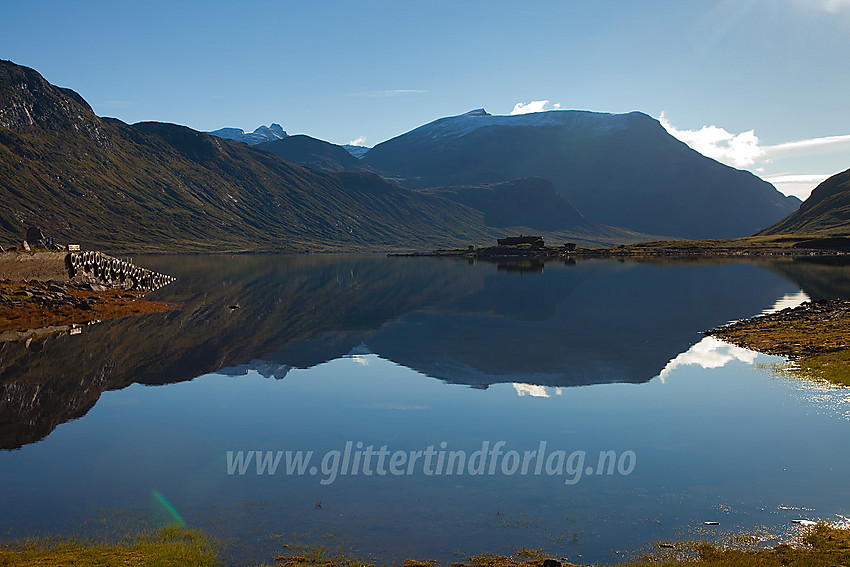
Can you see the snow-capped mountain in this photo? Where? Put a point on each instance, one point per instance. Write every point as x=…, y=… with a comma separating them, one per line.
x=621, y=170
x=455, y=126
x=258, y=136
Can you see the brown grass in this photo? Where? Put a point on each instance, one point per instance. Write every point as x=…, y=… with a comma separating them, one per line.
x=107, y=304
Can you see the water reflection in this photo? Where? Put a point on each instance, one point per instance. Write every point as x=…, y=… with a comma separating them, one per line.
x=788, y=301
x=709, y=353
x=475, y=324
x=536, y=391
x=326, y=350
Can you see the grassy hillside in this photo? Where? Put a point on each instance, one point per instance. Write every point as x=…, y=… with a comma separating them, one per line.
x=162, y=187
x=825, y=213
x=313, y=153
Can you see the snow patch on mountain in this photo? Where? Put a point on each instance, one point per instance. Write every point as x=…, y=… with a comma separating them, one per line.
x=456, y=126
x=258, y=136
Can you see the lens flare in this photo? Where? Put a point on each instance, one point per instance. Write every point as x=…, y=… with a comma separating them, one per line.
x=163, y=512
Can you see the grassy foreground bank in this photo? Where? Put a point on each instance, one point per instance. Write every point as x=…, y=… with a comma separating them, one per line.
x=814, y=335
x=823, y=546
x=171, y=546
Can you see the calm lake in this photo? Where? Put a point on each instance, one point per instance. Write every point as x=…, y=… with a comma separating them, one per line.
x=426, y=407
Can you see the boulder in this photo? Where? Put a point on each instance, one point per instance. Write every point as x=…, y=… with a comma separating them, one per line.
x=34, y=235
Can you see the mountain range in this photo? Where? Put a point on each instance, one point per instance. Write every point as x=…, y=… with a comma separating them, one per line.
x=313, y=153
x=588, y=177
x=258, y=136
x=621, y=170
x=161, y=187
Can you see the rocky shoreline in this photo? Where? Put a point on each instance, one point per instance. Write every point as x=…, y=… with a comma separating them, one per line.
x=32, y=308
x=47, y=292
x=814, y=335
x=683, y=249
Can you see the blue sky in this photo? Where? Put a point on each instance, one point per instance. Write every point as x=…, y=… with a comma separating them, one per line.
x=759, y=84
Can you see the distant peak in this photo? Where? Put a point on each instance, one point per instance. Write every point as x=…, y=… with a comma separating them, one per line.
x=258, y=136
x=477, y=112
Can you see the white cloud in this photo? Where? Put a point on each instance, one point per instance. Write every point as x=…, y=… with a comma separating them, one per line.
x=533, y=106
x=787, y=300
x=810, y=143
x=358, y=141
x=743, y=150
x=800, y=186
x=709, y=353
x=795, y=178
x=737, y=150
x=530, y=390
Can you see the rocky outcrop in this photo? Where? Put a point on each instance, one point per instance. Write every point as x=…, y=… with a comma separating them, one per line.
x=98, y=268
x=32, y=103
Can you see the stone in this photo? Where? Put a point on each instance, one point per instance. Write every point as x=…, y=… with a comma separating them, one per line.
x=34, y=235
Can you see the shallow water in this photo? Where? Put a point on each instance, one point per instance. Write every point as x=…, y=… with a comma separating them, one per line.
x=325, y=353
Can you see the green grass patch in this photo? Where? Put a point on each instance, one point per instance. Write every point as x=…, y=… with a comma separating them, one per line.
x=816, y=336
x=163, y=548
x=831, y=366
x=822, y=546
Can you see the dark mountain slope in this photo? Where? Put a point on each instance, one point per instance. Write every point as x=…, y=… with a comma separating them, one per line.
x=621, y=170
x=825, y=213
x=151, y=186
x=312, y=153
x=531, y=201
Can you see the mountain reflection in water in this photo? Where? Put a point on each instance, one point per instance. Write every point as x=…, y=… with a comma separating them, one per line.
x=477, y=324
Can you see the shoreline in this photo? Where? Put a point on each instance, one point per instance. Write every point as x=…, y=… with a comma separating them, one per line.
x=39, y=297
x=824, y=544
x=32, y=308
x=815, y=336
x=660, y=249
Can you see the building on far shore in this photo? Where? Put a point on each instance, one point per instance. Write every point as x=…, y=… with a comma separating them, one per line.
x=534, y=241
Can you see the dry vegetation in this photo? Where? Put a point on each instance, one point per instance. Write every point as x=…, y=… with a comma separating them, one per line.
x=815, y=335
x=823, y=546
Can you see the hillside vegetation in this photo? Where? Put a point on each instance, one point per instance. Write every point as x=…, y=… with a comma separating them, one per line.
x=825, y=213
x=162, y=187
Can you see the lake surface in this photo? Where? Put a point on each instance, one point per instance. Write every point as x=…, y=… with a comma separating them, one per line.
x=437, y=407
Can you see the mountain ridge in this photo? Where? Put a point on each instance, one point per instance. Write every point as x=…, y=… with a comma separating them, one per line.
x=531, y=201
x=825, y=212
x=163, y=187
x=312, y=152
x=261, y=134
x=617, y=169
